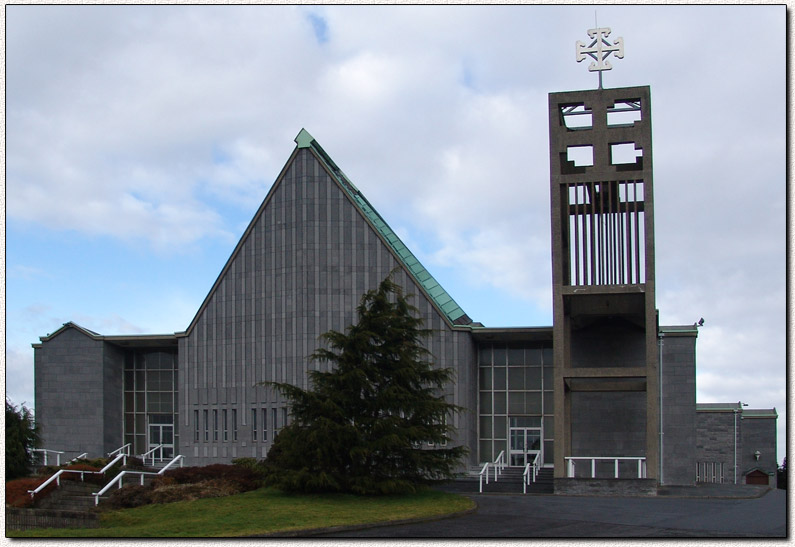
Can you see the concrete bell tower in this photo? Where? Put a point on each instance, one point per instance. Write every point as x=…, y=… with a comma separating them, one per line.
x=605, y=318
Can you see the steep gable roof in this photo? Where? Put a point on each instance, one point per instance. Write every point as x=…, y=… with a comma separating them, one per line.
x=434, y=290
x=450, y=310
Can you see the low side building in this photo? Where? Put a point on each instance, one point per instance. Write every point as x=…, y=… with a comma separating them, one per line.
x=736, y=444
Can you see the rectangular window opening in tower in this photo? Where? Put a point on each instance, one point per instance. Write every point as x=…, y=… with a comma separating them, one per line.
x=624, y=112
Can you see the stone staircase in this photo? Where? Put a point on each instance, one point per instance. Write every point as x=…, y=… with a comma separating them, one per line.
x=509, y=482
x=76, y=495
x=70, y=496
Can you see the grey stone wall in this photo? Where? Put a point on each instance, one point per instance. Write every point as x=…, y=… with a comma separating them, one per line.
x=299, y=271
x=69, y=375
x=715, y=435
x=608, y=343
x=757, y=434
x=605, y=487
x=30, y=519
x=715, y=441
x=112, y=407
x=679, y=409
x=611, y=423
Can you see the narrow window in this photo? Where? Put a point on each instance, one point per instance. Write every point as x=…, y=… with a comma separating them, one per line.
x=253, y=424
x=284, y=416
x=264, y=424
x=215, y=425
x=196, y=426
x=206, y=426
x=225, y=425
x=274, y=414
x=234, y=424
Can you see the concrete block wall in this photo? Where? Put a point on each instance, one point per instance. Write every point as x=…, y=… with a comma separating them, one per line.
x=70, y=396
x=754, y=430
x=112, y=397
x=608, y=343
x=609, y=423
x=758, y=434
x=715, y=437
x=299, y=272
x=32, y=519
x=679, y=409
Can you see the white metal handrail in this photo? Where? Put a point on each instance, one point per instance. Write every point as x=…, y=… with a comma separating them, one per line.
x=80, y=457
x=484, y=471
x=499, y=463
x=526, y=477
x=531, y=472
x=571, y=464
x=178, y=458
x=46, y=451
x=152, y=453
x=536, y=465
x=120, y=477
x=57, y=478
x=113, y=462
x=125, y=449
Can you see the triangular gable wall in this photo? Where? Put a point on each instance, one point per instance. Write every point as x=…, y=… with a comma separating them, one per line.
x=299, y=271
x=70, y=325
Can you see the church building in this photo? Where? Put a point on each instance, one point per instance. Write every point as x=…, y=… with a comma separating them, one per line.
x=604, y=393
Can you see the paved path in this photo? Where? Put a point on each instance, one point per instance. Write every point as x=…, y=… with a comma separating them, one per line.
x=574, y=516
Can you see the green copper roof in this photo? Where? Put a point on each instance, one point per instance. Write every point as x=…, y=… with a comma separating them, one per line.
x=444, y=301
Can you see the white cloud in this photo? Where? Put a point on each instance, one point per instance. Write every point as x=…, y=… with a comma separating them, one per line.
x=167, y=125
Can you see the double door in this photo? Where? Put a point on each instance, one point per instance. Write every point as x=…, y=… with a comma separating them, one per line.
x=525, y=445
x=162, y=434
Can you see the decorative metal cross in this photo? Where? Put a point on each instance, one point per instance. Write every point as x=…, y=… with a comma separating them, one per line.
x=599, y=50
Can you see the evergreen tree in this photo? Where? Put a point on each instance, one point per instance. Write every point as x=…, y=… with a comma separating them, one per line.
x=362, y=425
x=21, y=435
x=781, y=475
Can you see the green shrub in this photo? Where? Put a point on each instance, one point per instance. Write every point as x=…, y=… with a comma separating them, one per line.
x=186, y=484
x=99, y=463
x=215, y=488
x=130, y=496
x=91, y=474
x=17, y=491
x=246, y=478
x=136, y=464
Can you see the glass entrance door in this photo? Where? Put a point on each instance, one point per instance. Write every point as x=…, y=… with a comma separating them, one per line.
x=162, y=434
x=525, y=444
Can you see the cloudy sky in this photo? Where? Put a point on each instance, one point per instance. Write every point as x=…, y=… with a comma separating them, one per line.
x=140, y=140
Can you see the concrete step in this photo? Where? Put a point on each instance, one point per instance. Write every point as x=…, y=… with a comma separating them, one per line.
x=70, y=496
x=508, y=482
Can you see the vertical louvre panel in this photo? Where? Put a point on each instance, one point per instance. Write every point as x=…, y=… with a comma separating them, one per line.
x=605, y=232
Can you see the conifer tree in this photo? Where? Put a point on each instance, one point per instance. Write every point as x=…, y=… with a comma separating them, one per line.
x=22, y=435
x=376, y=423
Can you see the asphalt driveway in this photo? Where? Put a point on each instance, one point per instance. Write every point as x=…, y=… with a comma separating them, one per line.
x=516, y=516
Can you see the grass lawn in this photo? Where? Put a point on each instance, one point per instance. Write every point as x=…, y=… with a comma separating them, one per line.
x=261, y=511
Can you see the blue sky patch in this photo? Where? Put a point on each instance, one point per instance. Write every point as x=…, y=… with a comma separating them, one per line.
x=319, y=27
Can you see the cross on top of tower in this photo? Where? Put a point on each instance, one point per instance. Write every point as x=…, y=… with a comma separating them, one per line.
x=599, y=50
